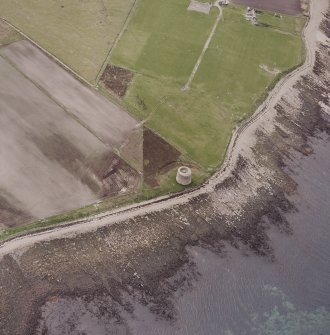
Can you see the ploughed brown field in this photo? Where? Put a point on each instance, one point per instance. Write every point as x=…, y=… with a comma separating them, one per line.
x=158, y=156
x=57, y=139
x=291, y=7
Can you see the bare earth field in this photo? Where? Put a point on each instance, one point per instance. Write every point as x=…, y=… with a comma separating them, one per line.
x=106, y=120
x=157, y=156
x=291, y=7
x=57, y=139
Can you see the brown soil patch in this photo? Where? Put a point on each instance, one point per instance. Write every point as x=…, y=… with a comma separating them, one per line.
x=116, y=79
x=291, y=7
x=118, y=177
x=157, y=154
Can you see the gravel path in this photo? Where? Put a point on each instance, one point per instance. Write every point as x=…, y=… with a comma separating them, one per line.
x=206, y=46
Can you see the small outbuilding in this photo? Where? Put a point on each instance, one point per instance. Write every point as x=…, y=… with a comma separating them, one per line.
x=223, y=2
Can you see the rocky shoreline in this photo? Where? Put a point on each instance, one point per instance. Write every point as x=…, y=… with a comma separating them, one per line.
x=145, y=258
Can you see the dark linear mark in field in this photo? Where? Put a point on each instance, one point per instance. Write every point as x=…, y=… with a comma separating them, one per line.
x=57, y=148
x=118, y=177
x=106, y=175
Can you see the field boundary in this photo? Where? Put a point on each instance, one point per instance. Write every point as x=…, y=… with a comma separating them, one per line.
x=117, y=39
x=77, y=75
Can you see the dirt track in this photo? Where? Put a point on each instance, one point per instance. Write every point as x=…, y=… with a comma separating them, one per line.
x=206, y=46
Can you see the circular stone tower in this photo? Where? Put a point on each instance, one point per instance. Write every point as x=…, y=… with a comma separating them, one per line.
x=183, y=176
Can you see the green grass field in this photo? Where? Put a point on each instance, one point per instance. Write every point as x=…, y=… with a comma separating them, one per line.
x=162, y=44
x=79, y=32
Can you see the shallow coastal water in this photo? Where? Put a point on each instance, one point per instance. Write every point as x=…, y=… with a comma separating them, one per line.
x=237, y=292
x=242, y=293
